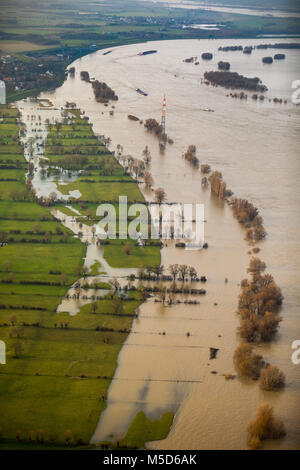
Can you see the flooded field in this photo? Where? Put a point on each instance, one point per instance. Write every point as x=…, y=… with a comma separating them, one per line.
x=255, y=145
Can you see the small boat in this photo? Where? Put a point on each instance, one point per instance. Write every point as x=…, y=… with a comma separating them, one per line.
x=107, y=52
x=141, y=92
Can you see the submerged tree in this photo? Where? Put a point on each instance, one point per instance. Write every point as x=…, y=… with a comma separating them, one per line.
x=160, y=195
x=264, y=426
x=272, y=378
x=246, y=362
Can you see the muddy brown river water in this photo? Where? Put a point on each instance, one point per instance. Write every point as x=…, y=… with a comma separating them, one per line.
x=256, y=147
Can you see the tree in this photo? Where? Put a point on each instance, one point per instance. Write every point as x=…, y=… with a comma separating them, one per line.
x=160, y=195
x=31, y=436
x=47, y=237
x=158, y=270
x=52, y=437
x=246, y=362
x=256, y=266
x=190, y=155
x=7, y=265
x=107, y=338
x=63, y=279
x=173, y=268
x=17, y=331
x=149, y=270
x=264, y=426
x=268, y=326
x=53, y=196
x=18, y=348
x=3, y=237
x=114, y=283
x=117, y=305
x=41, y=435
x=82, y=271
x=271, y=378
x=68, y=435
x=148, y=179
x=192, y=273
x=94, y=307
x=127, y=248
x=13, y=318
x=183, y=270
x=147, y=155
x=162, y=293
x=205, y=168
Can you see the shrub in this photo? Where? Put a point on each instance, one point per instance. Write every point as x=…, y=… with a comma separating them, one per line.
x=267, y=60
x=205, y=168
x=246, y=362
x=264, y=426
x=206, y=56
x=223, y=65
x=268, y=326
x=255, y=329
x=271, y=378
x=256, y=266
x=254, y=443
x=127, y=248
x=52, y=437
x=68, y=435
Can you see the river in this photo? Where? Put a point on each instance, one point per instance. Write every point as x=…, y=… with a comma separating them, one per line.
x=256, y=146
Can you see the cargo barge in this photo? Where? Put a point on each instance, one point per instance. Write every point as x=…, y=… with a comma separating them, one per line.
x=141, y=92
x=147, y=52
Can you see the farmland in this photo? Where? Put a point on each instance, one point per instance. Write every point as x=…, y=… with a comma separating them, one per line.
x=54, y=385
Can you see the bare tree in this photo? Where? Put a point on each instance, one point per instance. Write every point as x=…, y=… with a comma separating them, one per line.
x=173, y=268
x=192, y=273
x=148, y=179
x=183, y=270
x=160, y=195
x=18, y=348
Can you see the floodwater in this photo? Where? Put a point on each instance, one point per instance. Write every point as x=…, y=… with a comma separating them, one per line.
x=256, y=146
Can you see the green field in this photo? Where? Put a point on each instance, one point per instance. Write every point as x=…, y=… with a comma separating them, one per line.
x=144, y=430
x=58, y=367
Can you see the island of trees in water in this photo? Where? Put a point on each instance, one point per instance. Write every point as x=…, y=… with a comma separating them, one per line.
x=103, y=93
x=153, y=126
x=259, y=304
x=234, y=80
x=249, y=49
x=223, y=65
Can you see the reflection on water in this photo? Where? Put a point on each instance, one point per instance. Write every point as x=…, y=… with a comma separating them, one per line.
x=255, y=145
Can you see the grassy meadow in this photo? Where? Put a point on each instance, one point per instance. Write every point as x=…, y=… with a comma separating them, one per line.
x=54, y=385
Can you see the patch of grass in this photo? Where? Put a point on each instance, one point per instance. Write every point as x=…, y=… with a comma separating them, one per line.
x=53, y=400
x=43, y=258
x=140, y=256
x=21, y=46
x=96, y=269
x=144, y=430
x=103, y=191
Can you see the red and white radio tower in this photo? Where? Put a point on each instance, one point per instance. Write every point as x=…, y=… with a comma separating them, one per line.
x=163, y=116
